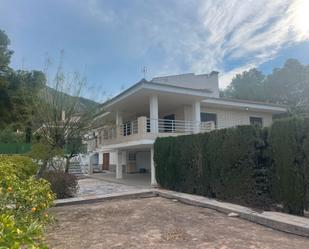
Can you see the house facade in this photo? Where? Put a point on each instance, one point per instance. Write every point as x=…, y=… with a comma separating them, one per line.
x=173, y=105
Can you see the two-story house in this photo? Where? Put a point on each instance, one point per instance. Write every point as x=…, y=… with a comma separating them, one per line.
x=166, y=106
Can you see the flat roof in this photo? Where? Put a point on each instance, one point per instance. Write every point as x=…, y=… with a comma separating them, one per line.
x=150, y=85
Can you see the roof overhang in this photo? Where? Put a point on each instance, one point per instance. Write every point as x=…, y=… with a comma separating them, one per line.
x=135, y=100
x=244, y=105
x=150, y=88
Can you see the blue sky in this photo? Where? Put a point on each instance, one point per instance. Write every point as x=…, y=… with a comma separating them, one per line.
x=109, y=42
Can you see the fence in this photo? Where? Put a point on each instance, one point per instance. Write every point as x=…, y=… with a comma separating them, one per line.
x=14, y=148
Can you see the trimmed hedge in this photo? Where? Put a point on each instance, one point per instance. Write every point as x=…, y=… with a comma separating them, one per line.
x=289, y=141
x=227, y=164
x=246, y=165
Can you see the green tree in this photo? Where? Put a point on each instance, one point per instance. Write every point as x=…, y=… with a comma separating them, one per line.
x=62, y=122
x=289, y=85
x=247, y=85
x=18, y=91
x=5, y=56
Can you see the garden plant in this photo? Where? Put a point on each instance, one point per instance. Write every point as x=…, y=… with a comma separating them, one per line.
x=24, y=201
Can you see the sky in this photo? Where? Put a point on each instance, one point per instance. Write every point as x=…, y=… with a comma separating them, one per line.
x=109, y=42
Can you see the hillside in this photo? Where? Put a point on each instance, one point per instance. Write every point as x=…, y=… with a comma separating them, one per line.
x=83, y=104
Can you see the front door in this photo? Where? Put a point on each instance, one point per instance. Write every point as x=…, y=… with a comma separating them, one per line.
x=105, y=161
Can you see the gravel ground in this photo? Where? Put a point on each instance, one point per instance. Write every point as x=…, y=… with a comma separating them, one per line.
x=159, y=223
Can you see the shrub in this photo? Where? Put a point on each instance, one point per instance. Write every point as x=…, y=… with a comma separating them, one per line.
x=228, y=164
x=246, y=165
x=289, y=152
x=24, y=201
x=64, y=185
x=21, y=166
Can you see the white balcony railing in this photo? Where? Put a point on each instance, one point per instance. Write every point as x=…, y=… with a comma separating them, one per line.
x=180, y=126
x=129, y=128
x=146, y=127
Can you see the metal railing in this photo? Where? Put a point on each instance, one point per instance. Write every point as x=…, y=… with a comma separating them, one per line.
x=129, y=128
x=109, y=133
x=161, y=125
x=179, y=126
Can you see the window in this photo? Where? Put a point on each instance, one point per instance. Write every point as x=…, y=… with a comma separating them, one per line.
x=132, y=156
x=256, y=121
x=208, y=117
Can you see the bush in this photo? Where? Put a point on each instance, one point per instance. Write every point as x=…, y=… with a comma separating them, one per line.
x=64, y=185
x=246, y=165
x=227, y=164
x=23, y=203
x=289, y=152
x=21, y=166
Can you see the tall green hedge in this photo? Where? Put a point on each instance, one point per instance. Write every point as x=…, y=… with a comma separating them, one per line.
x=246, y=165
x=227, y=164
x=289, y=152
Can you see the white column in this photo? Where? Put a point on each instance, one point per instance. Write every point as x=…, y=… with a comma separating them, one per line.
x=118, y=165
x=119, y=122
x=188, y=118
x=90, y=169
x=124, y=159
x=152, y=168
x=154, y=113
x=100, y=162
x=196, y=115
x=118, y=118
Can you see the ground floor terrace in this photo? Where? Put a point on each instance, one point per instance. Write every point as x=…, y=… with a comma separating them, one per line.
x=131, y=164
x=157, y=222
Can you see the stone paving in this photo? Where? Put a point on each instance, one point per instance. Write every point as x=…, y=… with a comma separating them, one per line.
x=94, y=187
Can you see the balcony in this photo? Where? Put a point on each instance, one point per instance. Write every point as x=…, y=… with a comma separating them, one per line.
x=146, y=128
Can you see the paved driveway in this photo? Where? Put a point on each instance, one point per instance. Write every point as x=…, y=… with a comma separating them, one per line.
x=92, y=186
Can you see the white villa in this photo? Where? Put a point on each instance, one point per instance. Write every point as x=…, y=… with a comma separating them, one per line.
x=165, y=106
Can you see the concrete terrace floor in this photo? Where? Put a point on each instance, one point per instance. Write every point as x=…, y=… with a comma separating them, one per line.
x=137, y=180
x=154, y=223
x=106, y=183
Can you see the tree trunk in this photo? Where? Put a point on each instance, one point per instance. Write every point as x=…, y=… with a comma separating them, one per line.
x=42, y=169
x=67, y=164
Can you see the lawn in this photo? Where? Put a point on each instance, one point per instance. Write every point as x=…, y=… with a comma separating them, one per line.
x=158, y=223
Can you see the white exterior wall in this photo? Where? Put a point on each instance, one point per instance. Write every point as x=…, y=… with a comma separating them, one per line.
x=179, y=113
x=225, y=117
x=112, y=158
x=193, y=81
x=229, y=117
x=143, y=160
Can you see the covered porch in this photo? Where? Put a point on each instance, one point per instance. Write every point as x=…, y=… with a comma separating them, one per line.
x=125, y=163
x=149, y=114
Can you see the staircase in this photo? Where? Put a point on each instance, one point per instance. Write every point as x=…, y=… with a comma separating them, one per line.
x=75, y=168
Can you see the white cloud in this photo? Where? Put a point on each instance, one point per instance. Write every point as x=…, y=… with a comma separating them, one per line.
x=201, y=36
